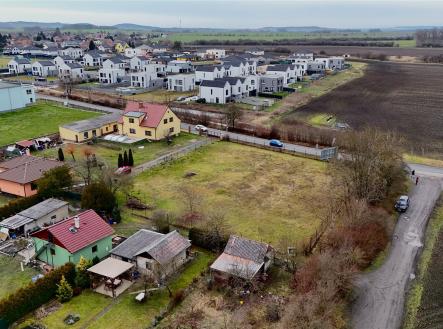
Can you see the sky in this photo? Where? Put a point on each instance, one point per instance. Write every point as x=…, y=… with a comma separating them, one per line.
x=228, y=13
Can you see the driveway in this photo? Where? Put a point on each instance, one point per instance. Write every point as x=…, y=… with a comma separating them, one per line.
x=381, y=293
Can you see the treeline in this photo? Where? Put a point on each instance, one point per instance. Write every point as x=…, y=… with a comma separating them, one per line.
x=429, y=38
x=3, y=41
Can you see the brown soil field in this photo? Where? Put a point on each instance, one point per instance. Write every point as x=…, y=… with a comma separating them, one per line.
x=407, y=98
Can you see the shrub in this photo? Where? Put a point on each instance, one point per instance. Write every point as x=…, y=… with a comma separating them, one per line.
x=207, y=240
x=177, y=297
x=28, y=298
x=64, y=290
x=272, y=312
x=15, y=206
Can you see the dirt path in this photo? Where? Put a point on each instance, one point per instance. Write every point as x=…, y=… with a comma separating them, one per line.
x=381, y=294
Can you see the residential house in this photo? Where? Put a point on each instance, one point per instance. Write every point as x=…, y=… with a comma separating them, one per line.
x=84, y=235
x=42, y=214
x=93, y=59
x=331, y=63
x=304, y=54
x=215, y=53
x=71, y=71
x=215, y=91
x=113, y=71
x=44, y=69
x=150, y=121
x=209, y=72
x=316, y=68
x=19, y=175
x=60, y=60
x=159, y=49
x=155, y=254
x=85, y=130
x=74, y=52
x=120, y=47
x=255, y=52
x=138, y=62
x=146, y=79
x=130, y=52
x=286, y=70
x=271, y=83
x=177, y=66
x=243, y=258
x=15, y=96
x=181, y=82
x=19, y=66
x=143, y=50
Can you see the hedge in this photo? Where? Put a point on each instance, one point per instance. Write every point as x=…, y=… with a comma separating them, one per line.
x=15, y=206
x=35, y=294
x=207, y=239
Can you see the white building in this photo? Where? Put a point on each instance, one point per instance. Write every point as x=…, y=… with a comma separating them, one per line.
x=144, y=79
x=71, y=71
x=19, y=66
x=181, y=82
x=130, y=52
x=331, y=63
x=93, y=59
x=114, y=75
x=60, y=60
x=74, y=52
x=138, y=62
x=288, y=72
x=215, y=91
x=143, y=50
x=209, y=72
x=177, y=66
x=215, y=53
x=14, y=96
x=44, y=69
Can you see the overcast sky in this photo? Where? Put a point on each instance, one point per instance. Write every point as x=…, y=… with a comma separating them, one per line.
x=228, y=13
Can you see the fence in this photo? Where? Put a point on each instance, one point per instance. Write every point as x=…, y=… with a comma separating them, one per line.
x=170, y=156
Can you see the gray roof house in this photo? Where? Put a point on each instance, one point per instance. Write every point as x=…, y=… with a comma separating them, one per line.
x=154, y=253
x=45, y=213
x=243, y=258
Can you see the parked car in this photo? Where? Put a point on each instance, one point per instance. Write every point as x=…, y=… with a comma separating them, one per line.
x=123, y=170
x=201, y=128
x=402, y=203
x=275, y=143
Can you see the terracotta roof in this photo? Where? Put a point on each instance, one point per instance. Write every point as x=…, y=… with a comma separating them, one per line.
x=26, y=169
x=92, y=229
x=153, y=113
x=25, y=143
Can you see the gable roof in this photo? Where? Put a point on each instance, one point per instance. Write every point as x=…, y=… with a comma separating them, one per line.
x=22, y=60
x=26, y=169
x=46, y=63
x=161, y=247
x=207, y=68
x=279, y=67
x=153, y=113
x=218, y=83
x=93, y=54
x=92, y=229
x=245, y=248
x=115, y=60
x=74, y=65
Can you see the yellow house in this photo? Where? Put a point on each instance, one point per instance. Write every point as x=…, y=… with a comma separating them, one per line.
x=150, y=121
x=85, y=130
x=120, y=47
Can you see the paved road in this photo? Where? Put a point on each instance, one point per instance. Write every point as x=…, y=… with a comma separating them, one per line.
x=80, y=104
x=381, y=293
x=304, y=150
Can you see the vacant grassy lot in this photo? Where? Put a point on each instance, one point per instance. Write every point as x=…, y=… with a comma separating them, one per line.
x=402, y=97
x=37, y=120
x=11, y=275
x=4, y=61
x=108, y=152
x=424, y=307
x=100, y=312
x=264, y=195
x=161, y=96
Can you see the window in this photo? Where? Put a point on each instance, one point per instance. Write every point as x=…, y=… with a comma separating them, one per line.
x=131, y=120
x=226, y=92
x=148, y=266
x=147, y=133
x=94, y=133
x=211, y=91
x=94, y=248
x=52, y=251
x=33, y=186
x=132, y=131
x=54, y=217
x=165, y=121
x=31, y=100
x=171, y=119
x=29, y=91
x=85, y=134
x=171, y=130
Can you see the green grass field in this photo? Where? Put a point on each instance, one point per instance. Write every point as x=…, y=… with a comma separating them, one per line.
x=124, y=312
x=37, y=120
x=265, y=195
x=108, y=152
x=12, y=276
x=4, y=61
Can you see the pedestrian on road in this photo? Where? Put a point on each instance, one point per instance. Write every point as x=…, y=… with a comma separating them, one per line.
x=416, y=181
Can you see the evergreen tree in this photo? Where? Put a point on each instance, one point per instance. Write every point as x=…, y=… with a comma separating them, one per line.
x=130, y=158
x=120, y=160
x=61, y=156
x=64, y=290
x=82, y=277
x=92, y=45
x=125, y=159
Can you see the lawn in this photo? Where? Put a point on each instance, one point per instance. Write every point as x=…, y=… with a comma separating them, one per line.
x=108, y=151
x=28, y=78
x=37, y=120
x=97, y=311
x=4, y=61
x=161, y=96
x=264, y=195
x=412, y=158
x=12, y=276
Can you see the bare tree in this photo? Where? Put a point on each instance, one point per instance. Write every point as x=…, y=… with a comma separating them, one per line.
x=233, y=113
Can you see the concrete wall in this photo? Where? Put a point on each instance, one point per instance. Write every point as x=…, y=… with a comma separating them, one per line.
x=16, y=97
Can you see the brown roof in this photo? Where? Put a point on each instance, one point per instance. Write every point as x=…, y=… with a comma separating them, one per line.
x=26, y=169
x=154, y=113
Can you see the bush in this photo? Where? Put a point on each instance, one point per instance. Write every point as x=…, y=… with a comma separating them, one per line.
x=15, y=206
x=28, y=298
x=272, y=312
x=64, y=290
x=207, y=240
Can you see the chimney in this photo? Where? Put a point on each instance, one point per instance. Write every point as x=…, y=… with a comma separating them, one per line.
x=77, y=222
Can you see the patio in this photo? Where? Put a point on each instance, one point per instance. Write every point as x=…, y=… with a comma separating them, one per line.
x=111, y=277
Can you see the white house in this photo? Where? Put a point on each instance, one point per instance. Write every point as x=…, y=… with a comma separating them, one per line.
x=255, y=52
x=138, y=62
x=209, y=72
x=44, y=69
x=19, y=65
x=130, y=52
x=74, y=52
x=215, y=91
x=15, y=96
x=177, y=66
x=93, y=59
x=215, y=53
x=145, y=79
x=71, y=71
x=331, y=63
x=286, y=70
x=159, y=49
x=114, y=63
x=181, y=82
x=304, y=54
x=143, y=50
x=111, y=75
x=60, y=60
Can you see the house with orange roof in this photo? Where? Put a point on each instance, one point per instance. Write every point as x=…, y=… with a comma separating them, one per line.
x=148, y=120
